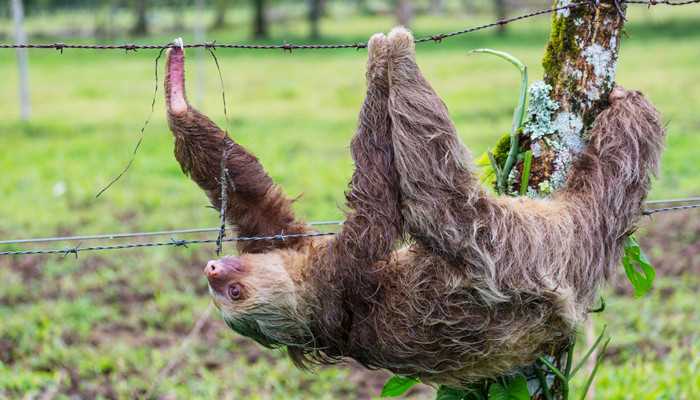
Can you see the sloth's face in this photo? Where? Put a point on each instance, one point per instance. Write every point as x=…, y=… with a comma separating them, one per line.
x=257, y=297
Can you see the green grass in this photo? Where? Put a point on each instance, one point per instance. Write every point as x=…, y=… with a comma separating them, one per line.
x=106, y=323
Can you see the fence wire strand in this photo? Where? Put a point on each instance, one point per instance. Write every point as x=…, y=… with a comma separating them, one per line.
x=653, y=211
x=436, y=38
x=184, y=243
x=115, y=236
x=673, y=201
x=172, y=242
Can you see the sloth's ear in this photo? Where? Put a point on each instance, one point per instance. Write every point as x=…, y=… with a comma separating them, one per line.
x=175, y=97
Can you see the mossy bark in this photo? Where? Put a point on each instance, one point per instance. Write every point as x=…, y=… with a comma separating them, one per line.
x=579, y=65
x=581, y=58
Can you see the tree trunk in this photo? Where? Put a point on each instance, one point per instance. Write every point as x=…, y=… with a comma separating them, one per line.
x=501, y=9
x=220, y=9
x=579, y=73
x=404, y=12
x=259, y=20
x=141, y=25
x=315, y=10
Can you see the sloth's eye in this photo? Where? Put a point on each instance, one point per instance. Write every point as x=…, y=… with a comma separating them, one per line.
x=234, y=291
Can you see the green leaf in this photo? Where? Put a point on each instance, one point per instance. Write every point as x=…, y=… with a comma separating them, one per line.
x=525, y=178
x=497, y=392
x=582, y=362
x=513, y=389
x=639, y=270
x=448, y=393
x=488, y=174
x=598, y=361
x=518, y=115
x=398, y=385
x=517, y=389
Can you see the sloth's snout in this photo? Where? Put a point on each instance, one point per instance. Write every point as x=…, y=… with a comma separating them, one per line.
x=220, y=272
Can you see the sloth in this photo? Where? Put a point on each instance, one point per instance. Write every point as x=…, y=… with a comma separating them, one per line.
x=431, y=275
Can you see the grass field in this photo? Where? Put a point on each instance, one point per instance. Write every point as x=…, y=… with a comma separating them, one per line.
x=108, y=324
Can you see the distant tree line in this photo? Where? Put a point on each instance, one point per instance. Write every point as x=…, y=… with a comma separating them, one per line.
x=405, y=10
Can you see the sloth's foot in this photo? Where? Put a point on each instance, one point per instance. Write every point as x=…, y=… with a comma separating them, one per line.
x=402, y=66
x=402, y=43
x=618, y=94
x=378, y=58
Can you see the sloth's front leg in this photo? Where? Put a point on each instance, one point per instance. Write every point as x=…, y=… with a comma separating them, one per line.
x=255, y=206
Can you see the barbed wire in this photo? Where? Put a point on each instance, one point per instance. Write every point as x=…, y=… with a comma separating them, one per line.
x=184, y=243
x=172, y=242
x=671, y=201
x=436, y=38
x=188, y=231
x=653, y=211
x=115, y=236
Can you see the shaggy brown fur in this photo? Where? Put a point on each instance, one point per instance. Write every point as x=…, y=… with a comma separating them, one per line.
x=485, y=285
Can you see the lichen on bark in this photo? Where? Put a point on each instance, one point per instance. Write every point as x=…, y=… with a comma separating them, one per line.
x=579, y=72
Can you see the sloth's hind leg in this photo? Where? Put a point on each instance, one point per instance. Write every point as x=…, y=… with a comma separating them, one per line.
x=433, y=165
x=374, y=221
x=347, y=272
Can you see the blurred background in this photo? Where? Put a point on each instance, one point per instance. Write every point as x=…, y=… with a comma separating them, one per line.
x=117, y=324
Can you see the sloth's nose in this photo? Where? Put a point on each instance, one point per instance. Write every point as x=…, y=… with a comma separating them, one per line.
x=213, y=268
x=222, y=269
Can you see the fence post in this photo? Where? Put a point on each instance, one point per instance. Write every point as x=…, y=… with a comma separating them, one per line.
x=22, y=62
x=579, y=70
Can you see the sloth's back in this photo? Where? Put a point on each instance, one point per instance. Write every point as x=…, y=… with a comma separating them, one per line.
x=431, y=320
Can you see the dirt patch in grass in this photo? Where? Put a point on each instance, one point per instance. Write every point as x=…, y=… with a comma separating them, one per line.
x=672, y=242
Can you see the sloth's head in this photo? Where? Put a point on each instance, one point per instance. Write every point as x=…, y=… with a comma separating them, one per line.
x=258, y=298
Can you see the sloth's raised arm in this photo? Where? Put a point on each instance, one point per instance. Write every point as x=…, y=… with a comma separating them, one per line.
x=255, y=206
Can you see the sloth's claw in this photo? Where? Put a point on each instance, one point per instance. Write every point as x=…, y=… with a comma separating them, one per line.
x=179, y=43
x=401, y=40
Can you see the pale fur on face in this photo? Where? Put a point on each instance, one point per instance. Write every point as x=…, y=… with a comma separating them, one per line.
x=268, y=311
